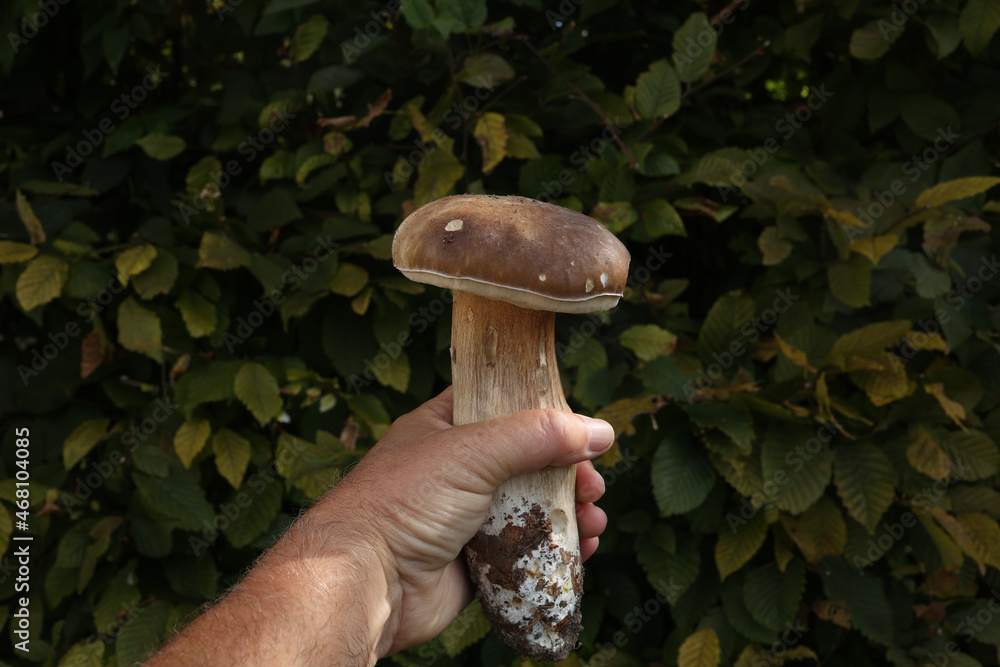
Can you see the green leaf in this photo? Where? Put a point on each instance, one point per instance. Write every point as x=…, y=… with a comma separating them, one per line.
x=139, y=330
x=11, y=251
x=218, y=251
x=83, y=438
x=927, y=456
x=307, y=38
x=348, y=280
x=36, y=232
x=773, y=247
x=720, y=332
x=468, y=627
x=84, y=655
x=850, y=280
x=115, y=41
x=232, y=455
x=657, y=91
x=418, y=13
x=396, y=373
x=470, y=13
x=796, y=463
x=661, y=219
x=978, y=22
x=864, y=598
x=436, y=175
x=648, y=341
x=944, y=29
x=872, y=41
x=700, y=650
x=177, y=497
x=208, y=382
x=670, y=571
x=819, y=531
x=866, y=482
x=972, y=453
x=161, y=146
x=190, y=439
x=254, y=519
x=682, y=475
x=616, y=216
x=960, y=188
x=277, y=208
x=867, y=342
x=258, y=390
x=139, y=638
x=159, y=278
x=738, y=543
x=199, y=313
x=485, y=70
x=772, y=596
x=694, y=47
x=928, y=116
x=41, y=281
x=133, y=261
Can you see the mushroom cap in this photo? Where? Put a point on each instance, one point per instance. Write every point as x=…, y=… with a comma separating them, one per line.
x=513, y=249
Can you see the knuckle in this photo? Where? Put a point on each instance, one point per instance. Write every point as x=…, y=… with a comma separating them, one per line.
x=557, y=426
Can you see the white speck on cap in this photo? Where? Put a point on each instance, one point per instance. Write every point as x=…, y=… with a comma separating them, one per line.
x=589, y=286
x=604, y=280
x=454, y=226
x=541, y=276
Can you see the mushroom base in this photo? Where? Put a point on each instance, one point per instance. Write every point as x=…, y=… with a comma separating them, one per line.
x=525, y=560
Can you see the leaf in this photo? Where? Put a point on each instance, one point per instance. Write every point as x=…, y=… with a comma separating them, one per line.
x=418, y=13
x=850, y=281
x=972, y=453
x=720, y=330
x=978, y=22
x=774, y=248
x=796, y=466
x=819, y=531
x=331, y=78
x=83, y=438
x=232, y=455
x=161, y=146
x=926, y=456
x=738, y=544
x=41, y=281
x=928, y=117
x=621, y=413
x=348, y=280
x=491, y=133
x=468, y=628
x=953, y=409
x=945, y=32
x=254, y=519
x=190, y=439
x=694, y=47
x=258, y=390
x=874, y=247
x=141, y=636
x=36, y=233
x=616, y=216
x=863, y=597
x=700, y=650
x=931, y=282
x=133, y=261
x=11, y=251
x=682, y=475
x=437, y=175
x=486, y=70
x=198, y=312
x=307, y=38
x=657, y=91
x=960, y=188
x=794, y=354
x=884, y=385
x=866, y=482
x=159, y=278
x=648, y=341
x=84, y=655
x=872, y=41
x=951, y=555
x=661, y=219
x=177, y=497
x=773, y=596
x=977, y=535
x=868, y=342
x=139, y=330
x=277, y=208
x=471, y=13
x=218, y=251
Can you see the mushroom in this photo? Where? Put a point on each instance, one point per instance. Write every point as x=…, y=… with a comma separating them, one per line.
x=513, y=263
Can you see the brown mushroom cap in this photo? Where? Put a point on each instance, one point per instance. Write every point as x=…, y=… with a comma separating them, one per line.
x=513, y=249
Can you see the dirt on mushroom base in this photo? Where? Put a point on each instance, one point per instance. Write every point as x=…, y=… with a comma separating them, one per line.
x=539, y=611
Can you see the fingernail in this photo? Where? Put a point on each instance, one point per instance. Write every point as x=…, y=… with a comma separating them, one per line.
x=602, y=435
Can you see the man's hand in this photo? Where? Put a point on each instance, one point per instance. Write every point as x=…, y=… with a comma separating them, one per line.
x=373, y=567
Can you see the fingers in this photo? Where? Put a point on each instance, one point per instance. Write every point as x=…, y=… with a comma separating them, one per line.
x=589, y=483
x=588, y=547
x=590, y=519
x=515, y=444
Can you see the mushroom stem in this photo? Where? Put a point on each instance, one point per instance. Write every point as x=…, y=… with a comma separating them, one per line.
x=525, y=560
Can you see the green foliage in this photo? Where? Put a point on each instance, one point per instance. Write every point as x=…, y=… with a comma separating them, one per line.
x=804, y=372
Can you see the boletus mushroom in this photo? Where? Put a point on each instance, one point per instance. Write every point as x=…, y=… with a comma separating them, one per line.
x=513, y=263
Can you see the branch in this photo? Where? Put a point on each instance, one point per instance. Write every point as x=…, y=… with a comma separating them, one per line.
x=717, y=19
x=583, y=96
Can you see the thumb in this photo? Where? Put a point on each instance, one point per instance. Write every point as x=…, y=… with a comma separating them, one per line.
x=497, y=449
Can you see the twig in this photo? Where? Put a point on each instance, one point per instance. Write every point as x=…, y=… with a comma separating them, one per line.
x=717, y=19
x=583, y=96
x=759, y=51
x=503, y=92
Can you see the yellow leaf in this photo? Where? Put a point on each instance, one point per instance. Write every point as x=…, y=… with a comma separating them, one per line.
x=41, y=281
x=648, y=341
x=834, y=611
x=919, y=340
x=491, y=133
x=886, y=385
x=774, y=248
x=232, y=455
x=360, y=303
x=258, y=390
x=797, y=356
x=819, y=531
x=874, y=247
x=139, y=330
x=976, y=534
x=218, y=251
x=521, y=147
x=737, y=544
x=926, y=455
x=11, y=251
x=960, y=188
x=953, y=409
x=825, y=412
x=134, y=261
x=190, y=439
x=31, y=222
x=951, y=555
x=83, y=438
x=621, y=413
x=348, y=280
x=437, y=174
x=700, y=650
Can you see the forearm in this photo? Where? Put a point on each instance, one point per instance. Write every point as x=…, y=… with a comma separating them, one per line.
x=303, y=604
